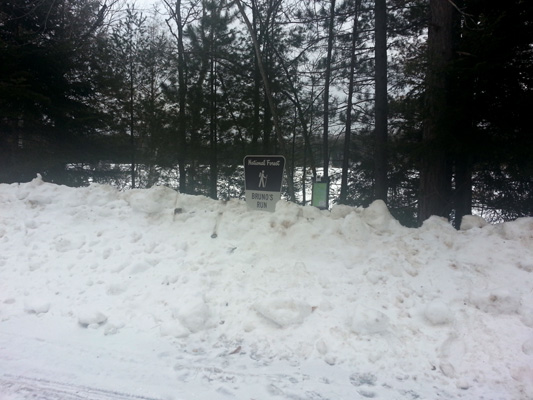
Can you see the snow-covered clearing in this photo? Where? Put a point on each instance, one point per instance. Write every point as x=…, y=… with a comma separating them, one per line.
x=151, y=294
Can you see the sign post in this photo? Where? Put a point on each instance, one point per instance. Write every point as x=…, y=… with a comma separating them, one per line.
x=263, y=176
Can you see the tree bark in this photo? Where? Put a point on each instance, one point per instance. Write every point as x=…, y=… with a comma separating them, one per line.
x=327, y=81
x=256, y=130
x=348, y=130
x=434, y=196
x=463, y=189
x=181, y=150
x=182, y=134
x=213, y=167
x=381, y=103
x=132, y=123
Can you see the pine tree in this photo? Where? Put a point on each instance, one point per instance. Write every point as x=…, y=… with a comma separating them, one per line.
x=46, y=83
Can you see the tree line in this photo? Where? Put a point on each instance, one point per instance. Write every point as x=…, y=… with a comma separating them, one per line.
x=423, y=104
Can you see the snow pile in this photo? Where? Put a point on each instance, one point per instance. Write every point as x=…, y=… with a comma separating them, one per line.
x=215, y=301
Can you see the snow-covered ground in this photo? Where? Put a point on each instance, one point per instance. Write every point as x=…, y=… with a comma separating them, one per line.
x=151, y=294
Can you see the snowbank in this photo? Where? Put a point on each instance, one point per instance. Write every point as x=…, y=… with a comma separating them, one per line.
x=376, y=308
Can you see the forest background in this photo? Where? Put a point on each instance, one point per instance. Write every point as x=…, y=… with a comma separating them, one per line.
x=425, y=104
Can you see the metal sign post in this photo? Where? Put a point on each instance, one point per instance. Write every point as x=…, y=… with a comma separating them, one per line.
x=263, y=176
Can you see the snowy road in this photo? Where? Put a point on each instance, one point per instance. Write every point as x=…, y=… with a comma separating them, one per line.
x=48, y=364
x=51, y=365
x=25, y=387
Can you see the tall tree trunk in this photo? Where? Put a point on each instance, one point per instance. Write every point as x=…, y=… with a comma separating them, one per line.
x=270, y=98
x=132, y=125
x=181, y=142
x=463, y=189
x=182, y=82
x=256, y=130
x=267, y=114
x=327, y=81
x=381, y=105
x=213, y=167
x=434, y=180
x=462, y=98
x=348, y=129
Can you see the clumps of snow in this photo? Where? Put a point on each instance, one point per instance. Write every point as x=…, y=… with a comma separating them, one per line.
x=519, y=230
x=368, y=321
x=472, y=221
x=152, y=201
x=526, y=316
x=435, y=223
x=286, y=215
x=438, y=313
x=339, y=211
x=527, y=347
x=91, y=317
x=36, y=305
x=283, y=311
x=354, y=228
x=116, y=288
x=377, y=215
x=526, y=265
x=37, y=181
x=113, y=327
x=192, y=313
x=361, y=379
x=173, y=328
x=496, y=301
x=374, y=277
x=365, y=384
x=139, y=267
x=64, y=243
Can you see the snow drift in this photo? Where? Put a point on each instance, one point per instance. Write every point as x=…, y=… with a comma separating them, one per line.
x=214, y=301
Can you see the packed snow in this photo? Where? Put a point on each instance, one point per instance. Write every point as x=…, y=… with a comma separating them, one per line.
x=153, y=294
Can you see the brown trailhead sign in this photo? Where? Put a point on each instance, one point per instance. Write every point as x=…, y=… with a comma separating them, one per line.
x=263, y=176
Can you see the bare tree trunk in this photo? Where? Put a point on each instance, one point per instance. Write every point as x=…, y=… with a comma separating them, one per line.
x=132, y=125
x=175, y=13
x=434, y=178
x=463, y=189
x=380, y=134
x=348, y=130
x=182, y=138
x=256, y=131
x=327, y=81
x=213, y=167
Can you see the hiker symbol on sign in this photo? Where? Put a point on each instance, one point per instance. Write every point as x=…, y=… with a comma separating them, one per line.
x=263, y=179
